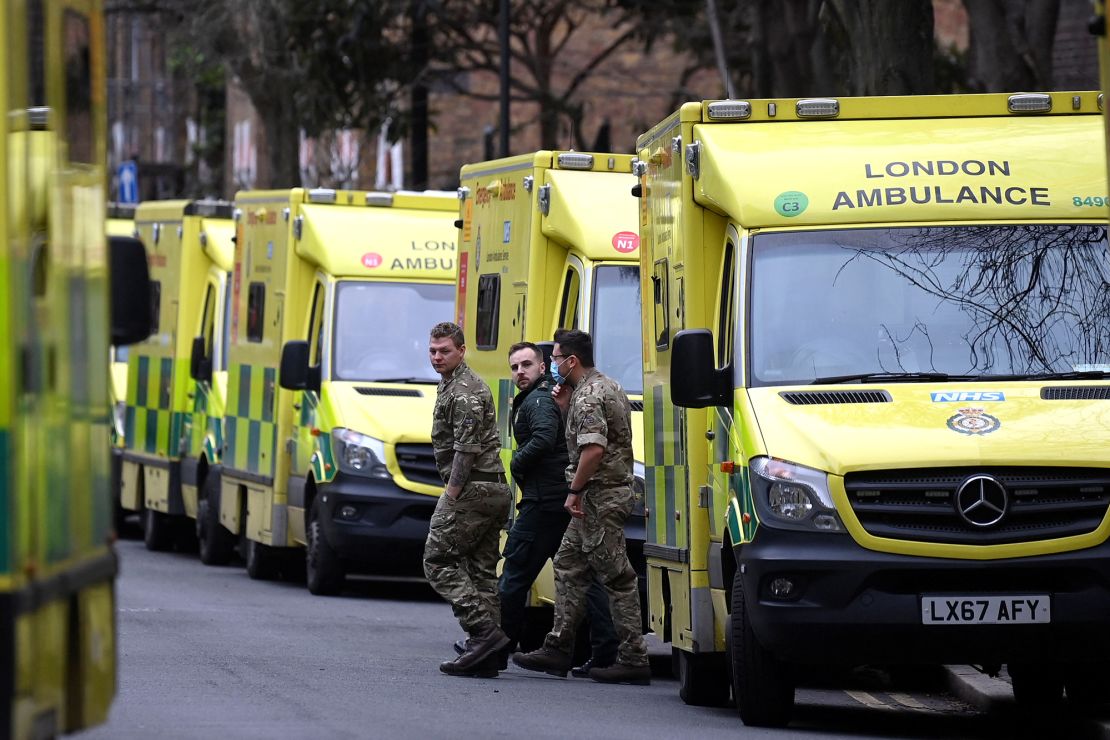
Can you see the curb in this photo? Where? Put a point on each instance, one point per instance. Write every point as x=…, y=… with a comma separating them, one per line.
x=978, y=689
x=993, y=695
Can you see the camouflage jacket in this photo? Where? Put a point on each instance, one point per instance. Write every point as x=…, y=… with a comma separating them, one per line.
x=601, y=414
x=464, y=421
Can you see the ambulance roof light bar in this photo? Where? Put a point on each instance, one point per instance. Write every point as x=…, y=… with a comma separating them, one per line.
x=379, y=199
x=576, y=161
x=1029, y=103
x=729, y=110
x=818, y=108
x=321, y=195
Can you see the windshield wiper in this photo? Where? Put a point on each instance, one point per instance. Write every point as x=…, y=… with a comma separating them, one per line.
x=887, y=377
x=424, y=381
x=1070, y=375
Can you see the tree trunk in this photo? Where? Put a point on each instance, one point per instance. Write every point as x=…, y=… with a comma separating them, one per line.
x=1010, y=45
x=279, y=144
x=888, y=46
x=418, y=98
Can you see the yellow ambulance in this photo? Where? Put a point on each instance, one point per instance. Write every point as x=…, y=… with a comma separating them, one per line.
x=549, y=240
x=57, y=564
x=877, y=345
x=337, y=290
x=171, y=437
x=121, y=222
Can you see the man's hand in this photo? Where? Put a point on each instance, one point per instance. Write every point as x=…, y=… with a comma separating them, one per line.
x=561, y=394
x=574, y=505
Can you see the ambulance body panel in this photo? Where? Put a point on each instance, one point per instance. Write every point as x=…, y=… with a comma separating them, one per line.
x=173, y=438
x=58, y=649
x=860, y=330
x=548, y=241
x=357, y=280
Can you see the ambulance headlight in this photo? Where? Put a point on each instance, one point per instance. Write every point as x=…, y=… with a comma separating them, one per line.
x=359, y=454
x=790, y=496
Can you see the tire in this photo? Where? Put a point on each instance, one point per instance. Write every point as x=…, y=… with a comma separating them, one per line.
x=262, y=562
x=1087, y=685
x=158, y=530
x=702, y=678
x=216, y=544
x=324, y=573
x=1036, y=685
x=761, y=684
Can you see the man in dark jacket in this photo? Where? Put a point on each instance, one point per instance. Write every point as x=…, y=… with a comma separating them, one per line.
x=539, y=468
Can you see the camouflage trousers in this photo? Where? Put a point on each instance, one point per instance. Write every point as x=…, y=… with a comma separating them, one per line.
x=460, y=555
x=594, y=546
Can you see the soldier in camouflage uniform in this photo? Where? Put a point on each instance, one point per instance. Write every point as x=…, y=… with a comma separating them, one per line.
x=460, y=556
x=599, y=440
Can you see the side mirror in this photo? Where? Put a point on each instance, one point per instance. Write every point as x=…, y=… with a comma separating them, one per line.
x=200, y=365
x=293, y=374
x=695, y=380
x=130, y=286
x=546, y=348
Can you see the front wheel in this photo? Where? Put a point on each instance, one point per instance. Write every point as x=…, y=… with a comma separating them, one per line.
x=216, y=543
x=761, y=683
x=158, y=530
x=323, y=568
x=702, y=678
x=1036, y=685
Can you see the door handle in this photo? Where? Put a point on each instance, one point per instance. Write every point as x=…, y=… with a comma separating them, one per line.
x=710, y=435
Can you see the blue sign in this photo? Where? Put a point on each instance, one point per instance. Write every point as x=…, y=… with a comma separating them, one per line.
x=127, y=179
x=960, y=396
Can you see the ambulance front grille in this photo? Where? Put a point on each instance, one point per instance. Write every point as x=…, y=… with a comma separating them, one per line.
x=921, y=505
x=1076, y=393
x=418, y=464
x=818, y=398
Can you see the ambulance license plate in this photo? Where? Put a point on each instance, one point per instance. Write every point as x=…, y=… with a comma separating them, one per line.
x=985, y=609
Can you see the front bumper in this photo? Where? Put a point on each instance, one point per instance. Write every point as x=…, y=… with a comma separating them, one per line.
x=387, y=534
x=855, y=606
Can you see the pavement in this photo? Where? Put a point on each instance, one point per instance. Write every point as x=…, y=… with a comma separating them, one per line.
x=994, y=695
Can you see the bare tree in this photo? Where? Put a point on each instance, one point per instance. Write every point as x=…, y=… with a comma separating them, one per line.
x=540, y=31
x=1011, y=44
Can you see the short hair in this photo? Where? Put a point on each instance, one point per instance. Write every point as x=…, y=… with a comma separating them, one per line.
x=447, y=329
x=526, y=345
x=578, y=343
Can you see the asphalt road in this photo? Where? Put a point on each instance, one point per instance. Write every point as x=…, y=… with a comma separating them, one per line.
x=206, y=652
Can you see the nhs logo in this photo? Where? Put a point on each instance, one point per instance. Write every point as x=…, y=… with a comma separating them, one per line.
x=960, y=396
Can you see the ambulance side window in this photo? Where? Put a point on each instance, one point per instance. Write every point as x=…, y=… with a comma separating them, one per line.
x=315, y=330
x=726, y=311
x=489, y=307
x=662, y=313
x=568, y=307
x=256, y=307
x=155, y=305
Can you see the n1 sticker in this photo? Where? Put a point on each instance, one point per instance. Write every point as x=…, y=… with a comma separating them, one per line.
x=626, y=242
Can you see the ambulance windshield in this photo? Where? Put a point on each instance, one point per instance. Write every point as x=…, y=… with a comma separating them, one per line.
x=381, y=330
x=615, y=325
x=987, y=302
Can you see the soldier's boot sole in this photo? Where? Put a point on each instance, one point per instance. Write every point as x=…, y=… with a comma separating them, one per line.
x=632, y=675
x=532, y=662
x=485, y=669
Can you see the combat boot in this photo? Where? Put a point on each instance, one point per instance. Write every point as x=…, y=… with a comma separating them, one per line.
x=545, y=660
x=502, y=655
x=486, y=668
x=638, y=675
x=484, y=642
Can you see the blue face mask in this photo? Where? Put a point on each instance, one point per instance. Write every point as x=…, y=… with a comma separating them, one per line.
x=555, y=374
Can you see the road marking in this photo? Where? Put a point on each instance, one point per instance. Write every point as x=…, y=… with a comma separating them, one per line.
x=866, y=699
x=908, y=701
